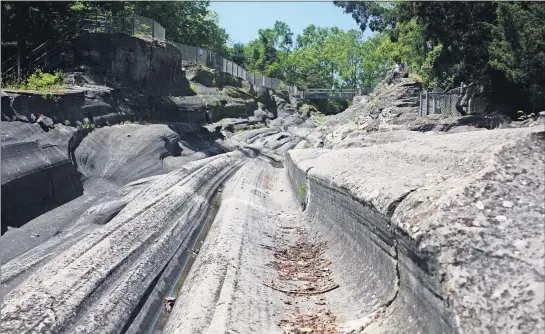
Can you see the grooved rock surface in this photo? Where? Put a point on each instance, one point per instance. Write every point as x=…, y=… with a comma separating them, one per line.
x=37, y=172
x=92, y=285
x=392, y=223
x=464, y=213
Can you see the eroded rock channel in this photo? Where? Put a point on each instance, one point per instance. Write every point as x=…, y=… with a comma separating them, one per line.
x=289, y=223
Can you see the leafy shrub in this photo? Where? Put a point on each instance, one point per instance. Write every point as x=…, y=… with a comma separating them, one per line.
x=43, y=82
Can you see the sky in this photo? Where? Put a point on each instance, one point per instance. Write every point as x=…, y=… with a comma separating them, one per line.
x=242, y=20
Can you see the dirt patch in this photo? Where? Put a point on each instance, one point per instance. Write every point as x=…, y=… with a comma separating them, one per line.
x=302, y=273
x=323, y=323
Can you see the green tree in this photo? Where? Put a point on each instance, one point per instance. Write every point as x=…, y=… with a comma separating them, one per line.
x=378, y=16
x=518, y=47
x=187, y=22
x=30, y=24
x=236, y=53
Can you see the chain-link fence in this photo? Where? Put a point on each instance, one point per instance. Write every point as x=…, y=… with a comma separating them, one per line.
x=136, y=25
x=439, y=103
x=192, y=55
x=145, y=27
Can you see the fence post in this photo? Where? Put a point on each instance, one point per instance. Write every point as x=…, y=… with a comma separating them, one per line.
x=420, y=104
x=45, y=54
x=427, y=103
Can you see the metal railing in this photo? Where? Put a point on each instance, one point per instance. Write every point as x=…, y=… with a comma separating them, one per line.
x=439, y=103
x=331, y=94
x=192, y=55
x=145, y=27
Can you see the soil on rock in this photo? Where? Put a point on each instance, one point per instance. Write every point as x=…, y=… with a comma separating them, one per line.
x=303, y=272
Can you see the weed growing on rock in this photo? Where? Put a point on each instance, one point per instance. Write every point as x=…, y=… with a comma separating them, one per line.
x=86, y=126
x=43, y=82
x=214, y=104
x=525, y=117
x=303, y=195
x=320, y=118
x=193, y=87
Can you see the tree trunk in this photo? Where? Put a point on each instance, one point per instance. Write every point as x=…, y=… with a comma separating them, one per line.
x=22, y=51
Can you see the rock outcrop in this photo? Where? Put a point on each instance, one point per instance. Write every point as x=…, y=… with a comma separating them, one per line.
x=430, y=214
x=37, y=171
x=374, y=220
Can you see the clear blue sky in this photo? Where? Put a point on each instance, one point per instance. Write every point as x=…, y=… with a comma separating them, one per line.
x=242, y=20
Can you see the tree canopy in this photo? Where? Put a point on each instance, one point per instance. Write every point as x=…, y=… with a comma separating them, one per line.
x=189, y=22
x=446, y=43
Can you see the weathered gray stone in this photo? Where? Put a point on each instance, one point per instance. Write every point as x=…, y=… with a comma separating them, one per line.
x=141, y=237
x=416, y=197
x=37, y=172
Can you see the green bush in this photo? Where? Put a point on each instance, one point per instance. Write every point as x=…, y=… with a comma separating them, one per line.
x=43, y=82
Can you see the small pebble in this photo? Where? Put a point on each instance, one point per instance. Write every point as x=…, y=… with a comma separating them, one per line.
x=479, y=205
x=501, y=218
x=507, y=204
